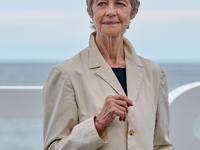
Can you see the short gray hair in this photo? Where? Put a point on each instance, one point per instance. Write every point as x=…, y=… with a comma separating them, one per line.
x=134, y=4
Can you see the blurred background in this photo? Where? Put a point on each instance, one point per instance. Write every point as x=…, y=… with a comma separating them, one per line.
x=37, y=34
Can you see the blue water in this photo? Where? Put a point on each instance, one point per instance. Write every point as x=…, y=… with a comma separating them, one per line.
x=26, y=134
x=21, y=134
x=35, y=74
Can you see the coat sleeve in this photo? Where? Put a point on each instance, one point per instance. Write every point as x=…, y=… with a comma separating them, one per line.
x=161, y=135
x=61, y=127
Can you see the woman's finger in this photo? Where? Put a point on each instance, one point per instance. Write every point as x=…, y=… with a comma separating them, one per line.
x=122, y=104
x=121, y=112
x=123, y=98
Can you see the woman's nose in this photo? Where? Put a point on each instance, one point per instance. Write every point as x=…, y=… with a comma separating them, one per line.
x=111, y=10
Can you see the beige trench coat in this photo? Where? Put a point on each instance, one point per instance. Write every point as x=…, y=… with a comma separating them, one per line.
x=75, y=91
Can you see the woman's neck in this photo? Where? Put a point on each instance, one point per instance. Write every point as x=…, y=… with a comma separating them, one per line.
x=111, y=49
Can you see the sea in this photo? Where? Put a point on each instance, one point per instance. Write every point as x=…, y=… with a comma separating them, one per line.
x=26, y=134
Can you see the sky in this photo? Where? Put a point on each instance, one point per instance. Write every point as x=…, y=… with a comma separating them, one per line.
x=46, y=31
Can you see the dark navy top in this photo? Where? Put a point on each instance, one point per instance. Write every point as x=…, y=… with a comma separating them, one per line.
x=121, y=76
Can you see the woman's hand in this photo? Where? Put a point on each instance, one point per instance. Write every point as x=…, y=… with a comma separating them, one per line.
x=114, y=106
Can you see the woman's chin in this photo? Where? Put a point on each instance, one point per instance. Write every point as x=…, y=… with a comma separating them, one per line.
x=111, y=32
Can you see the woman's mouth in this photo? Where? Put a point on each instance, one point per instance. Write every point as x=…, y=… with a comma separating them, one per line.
x=110, y=22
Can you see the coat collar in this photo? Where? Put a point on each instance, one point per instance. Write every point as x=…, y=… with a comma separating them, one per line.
x=95, y=57
x=134, y=69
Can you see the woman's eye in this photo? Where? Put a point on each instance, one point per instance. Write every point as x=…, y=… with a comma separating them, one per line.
x=101, y=3
x=118, y=3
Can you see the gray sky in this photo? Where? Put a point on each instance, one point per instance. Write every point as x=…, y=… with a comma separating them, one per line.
x=52, y=31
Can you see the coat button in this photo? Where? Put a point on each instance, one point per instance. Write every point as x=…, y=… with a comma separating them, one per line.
x=131, y=132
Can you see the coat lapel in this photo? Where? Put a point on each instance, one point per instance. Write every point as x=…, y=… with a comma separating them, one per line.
x=102, y=69
x=134, y=71
x=134, y=76
x=106, y=73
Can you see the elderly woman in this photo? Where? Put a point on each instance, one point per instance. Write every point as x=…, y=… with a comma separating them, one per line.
x=107, y=97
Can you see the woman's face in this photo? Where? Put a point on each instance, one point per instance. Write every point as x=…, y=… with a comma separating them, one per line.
x=111, y=17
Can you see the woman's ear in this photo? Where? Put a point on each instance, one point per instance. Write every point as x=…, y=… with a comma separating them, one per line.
x=89, y=13
x=135, y=11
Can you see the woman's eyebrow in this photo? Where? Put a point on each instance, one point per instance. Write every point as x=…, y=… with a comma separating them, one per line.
x=122, y=0
x=101, y=0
